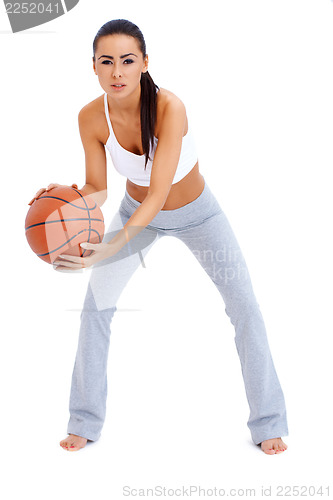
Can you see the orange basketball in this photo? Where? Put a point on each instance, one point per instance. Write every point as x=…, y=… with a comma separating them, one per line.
x=59, y=220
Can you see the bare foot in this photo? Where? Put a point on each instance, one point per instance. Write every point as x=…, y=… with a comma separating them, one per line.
x=73, y=442
x=273, y=446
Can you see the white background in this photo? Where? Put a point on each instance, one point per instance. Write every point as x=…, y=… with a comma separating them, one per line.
x=256, y=78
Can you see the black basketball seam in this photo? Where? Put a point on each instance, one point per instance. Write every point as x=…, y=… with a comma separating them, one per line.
x=67, y=241
x=65, y=201
x=85, y=250
x=62, y=220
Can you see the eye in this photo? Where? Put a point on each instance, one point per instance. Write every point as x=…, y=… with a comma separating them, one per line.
x=106, y=62
x=128, y=61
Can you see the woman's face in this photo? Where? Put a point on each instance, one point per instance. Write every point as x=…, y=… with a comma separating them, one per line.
x=119, y=64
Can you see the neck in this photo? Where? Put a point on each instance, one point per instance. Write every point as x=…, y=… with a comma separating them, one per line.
x=128, y=107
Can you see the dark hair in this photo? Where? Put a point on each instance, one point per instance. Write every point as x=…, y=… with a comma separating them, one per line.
x=148, y=87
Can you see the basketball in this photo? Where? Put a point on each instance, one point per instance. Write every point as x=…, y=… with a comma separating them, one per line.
x=59, y=220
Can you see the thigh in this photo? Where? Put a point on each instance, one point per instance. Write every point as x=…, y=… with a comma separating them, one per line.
x=109, y=277
x=216, y=248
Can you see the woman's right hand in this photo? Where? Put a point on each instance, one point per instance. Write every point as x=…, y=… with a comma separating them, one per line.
x=49, y=187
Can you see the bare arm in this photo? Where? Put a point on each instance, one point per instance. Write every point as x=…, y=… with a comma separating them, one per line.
x=96, y=176
x=163, y=171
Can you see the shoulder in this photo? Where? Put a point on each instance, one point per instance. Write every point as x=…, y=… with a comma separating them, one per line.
x=92, y=109
x=167, y=100
x=169, y=107
x=92, y=118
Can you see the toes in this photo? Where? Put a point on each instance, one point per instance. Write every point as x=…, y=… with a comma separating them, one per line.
x=282, y=446
x=266, y=448
x=66, y=443
x=274, y=446
x=69, y=447
x=72, y=443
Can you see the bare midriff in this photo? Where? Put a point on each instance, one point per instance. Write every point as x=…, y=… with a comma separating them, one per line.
x=181, y=193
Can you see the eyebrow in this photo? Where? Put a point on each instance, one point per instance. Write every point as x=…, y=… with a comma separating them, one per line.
x=121, y=57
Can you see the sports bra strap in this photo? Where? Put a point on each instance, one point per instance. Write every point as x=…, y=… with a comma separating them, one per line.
x=107, y=112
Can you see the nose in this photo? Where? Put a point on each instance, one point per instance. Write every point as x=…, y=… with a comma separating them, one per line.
x=116, y=73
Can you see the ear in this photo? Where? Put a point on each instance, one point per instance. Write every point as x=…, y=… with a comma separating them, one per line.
x=94, y=66
x=145, y=64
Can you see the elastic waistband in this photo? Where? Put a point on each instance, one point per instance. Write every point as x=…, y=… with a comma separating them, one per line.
x=195, y=212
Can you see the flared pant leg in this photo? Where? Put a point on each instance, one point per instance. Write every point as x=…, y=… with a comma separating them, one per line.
x=88, y=394
x=214, y=245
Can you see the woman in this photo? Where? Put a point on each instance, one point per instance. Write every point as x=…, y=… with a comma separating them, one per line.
x=146, y=131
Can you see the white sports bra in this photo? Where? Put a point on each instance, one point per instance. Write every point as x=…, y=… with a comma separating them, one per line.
x=132, y=165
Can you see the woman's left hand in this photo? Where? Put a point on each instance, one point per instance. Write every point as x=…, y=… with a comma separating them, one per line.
x=65, y=262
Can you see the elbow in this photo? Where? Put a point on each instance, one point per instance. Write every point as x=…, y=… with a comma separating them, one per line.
x=100, y=198
x=159, y=196
x=158, y=199
x=98, y=195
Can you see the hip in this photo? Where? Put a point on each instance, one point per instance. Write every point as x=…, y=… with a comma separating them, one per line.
x=195, y=212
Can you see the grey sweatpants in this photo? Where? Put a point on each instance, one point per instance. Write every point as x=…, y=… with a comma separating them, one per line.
x=205, y=230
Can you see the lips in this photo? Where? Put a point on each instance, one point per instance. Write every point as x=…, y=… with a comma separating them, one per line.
x=118, y=85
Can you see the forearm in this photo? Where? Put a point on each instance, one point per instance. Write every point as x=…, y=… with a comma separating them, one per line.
x=142, y=216
x=98, y=196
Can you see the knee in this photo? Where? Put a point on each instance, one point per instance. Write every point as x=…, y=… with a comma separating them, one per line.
x=243, y=309
x=93, y=304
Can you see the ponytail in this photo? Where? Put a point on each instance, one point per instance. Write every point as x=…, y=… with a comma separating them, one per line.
x=148, y=113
